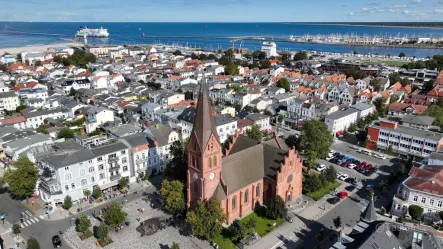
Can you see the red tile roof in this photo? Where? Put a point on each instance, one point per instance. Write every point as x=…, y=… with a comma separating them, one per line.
x=401, y=107
x=25, y=85
x=13, y=120
x=427, y=179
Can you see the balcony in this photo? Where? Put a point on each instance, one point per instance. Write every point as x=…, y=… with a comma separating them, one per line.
x=114, y=168
x=50, y=186
x=140, y=160
x=112, y=159
x=116, y=177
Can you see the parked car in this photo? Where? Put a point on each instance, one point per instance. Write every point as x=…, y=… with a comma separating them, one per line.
x=362, y=170
x=368, y=173
x=351, y=166
x=362, y=165
x=351, y=160
x=343, y=194
x=336, y=154
x=339, y=174
x=334, y=160
x=345, y=164
x=368, y=167
x=334, y=200
x=344, y=177
x=328, y=158
x=321, y=167
x=369, y=187
x=56, y=241
x=350, y=188
x=379, y=156
x=331, y=151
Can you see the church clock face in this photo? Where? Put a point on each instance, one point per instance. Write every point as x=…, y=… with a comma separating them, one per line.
x=212, y=176
x=195, y=176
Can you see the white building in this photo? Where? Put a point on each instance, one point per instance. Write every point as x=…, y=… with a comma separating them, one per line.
x=339, y=121
x=164, y=137
x=36, y=118
x=33, y=93
x=96, y=116
x=9, y=101
x=270, y=48
x=76, y=84
x=226, y=126
x=263, y=121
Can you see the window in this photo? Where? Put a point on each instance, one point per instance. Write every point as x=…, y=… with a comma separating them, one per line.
x=68, y=177
x=125, y=168
x=234, y=202
x=210, y=162
x=246, y=195
x=423, y=200
x=99, y=159
x=415, y=198
x=431, y=202
x=102, y=176
x=257, y=190
x=91, y=169
x=84, y=182
x=92, y=179
x=195, y=187
x=214, y=160
x=67, y=187
x=123, y=152
x=66, y=168
x=82, y=172
x=124, y=160
x=90, y=161
x=73, y=185
x=100, y=167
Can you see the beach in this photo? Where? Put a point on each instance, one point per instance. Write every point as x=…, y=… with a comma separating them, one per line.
x=38, y=48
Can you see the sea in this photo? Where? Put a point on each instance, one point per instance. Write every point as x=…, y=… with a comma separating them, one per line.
x=212, y=36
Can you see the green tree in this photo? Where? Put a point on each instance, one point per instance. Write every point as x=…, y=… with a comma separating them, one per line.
x=72, y=92
x=321, y=234
x=380, y=106
x=265, y=82
x=291, y=141
x=390, y=150
x=65, y=133
x=284, y=83
x=370, y=194
x=376, y=84
x=276, y=208
x=310, y=72
x=254, y=132
x=435, y=111
x=175, y=246
x=429, y=85
x=238, y=89
x=312, y=183
x=2, y=184
x=401, y=55
x=330, y=173
x=381, y=185
x=440, y=214
x=188, y=95
x=302, y=55
x=231, y=68
x=281, y=118
x=207, y=218
x=16, y=229
x=22, y=179
x=401, y=170
x=102, y=232
x=177, y=166
x=177, y=52
x=315, y=140
x=96, y=192
x=337, y=222
x=394, y=78
x=229, y=53
x=251, y=223
x=41, y=129
x=57, y=59
x=67, y=202
x=38, y=63
x=237, y=229
x=123, y=183
x=220, y=51
x=352, y=128
x=415, y=211
x=83, y=223
x=114, y=215
x=265, y=63
x=20, y=107
x=173, y=195
x=404, y=82
x=146, y=175
x=33, y=243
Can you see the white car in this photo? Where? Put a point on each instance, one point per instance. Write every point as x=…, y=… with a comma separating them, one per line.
x=331, y=152
x=351, y=166
x=329, y=157
x=339, y=174
x=321, y=167
x=379, y=156
x=344, y=177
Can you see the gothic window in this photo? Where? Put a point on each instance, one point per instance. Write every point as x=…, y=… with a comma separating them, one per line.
x=234, y=202
x=195, y=187
x=197, y=163
x=246, y=195
x=215, y=161
x=210, y=162
x=257, y=190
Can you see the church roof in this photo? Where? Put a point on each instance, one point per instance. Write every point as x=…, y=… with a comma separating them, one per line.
x=369, y=214
x=204, y=124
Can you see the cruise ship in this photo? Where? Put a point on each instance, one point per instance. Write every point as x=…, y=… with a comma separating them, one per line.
x=85, y=31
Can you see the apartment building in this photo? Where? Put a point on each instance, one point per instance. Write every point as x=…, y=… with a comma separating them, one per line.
x=164, y=136
x=405, y=139
x=96, y=116
x=339, y=121
x=36, y=118
x=226, y=126
x=9, y=101
x=263, y=121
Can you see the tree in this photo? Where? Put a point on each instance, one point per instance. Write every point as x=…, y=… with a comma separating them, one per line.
x=251, y=223
x=352, y=128
x=123, y=182
x=38, y=63
x=231, y=69
x=16, y=229
x=173, y=195
x=281, y=118
x=440, y=214
x=188, y=95
x=87, y=193
x=177, y=52
x=312, y=183
x=83, y=223
x=394, y=78
x=291, y=141
x=284, y=83
x=207, y=218
x=96, y=192
x=20, y=107
x=370, y=194
x=376, y=84
x=114, y=215
x=102, y=232
x=33, y=243
x=302, y=55
x=429, y=85
x=220, y=51
x=67, y=202
x=404, y=82
x=381, y=185
x=310, y=72
x=175, y=246
x=229, y=53
x=57, y=59
x=265, y=63
x=65, y=133
x=238, y=89
x=23, y=178
x=401, y=170
x=265, y=82
x=254, y=132
x=321, y=234
x=401, y=55
x=435, y=111
x=41, y=129
x=277, y=208
x=380, y=106
x=330, y=173
x=2, y=184
x=72, y=92
x=415, y=211
x=337, y=222
x=237, y=229
x=315, y=140
x=177, y=166
x=390, y=150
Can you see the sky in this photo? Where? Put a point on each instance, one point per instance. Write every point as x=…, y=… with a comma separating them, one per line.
x=221, y=10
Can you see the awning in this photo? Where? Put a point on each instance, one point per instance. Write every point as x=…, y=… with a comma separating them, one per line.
x=300, y=124
x=339, y=133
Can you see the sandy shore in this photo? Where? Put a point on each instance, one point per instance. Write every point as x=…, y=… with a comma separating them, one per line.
x=38, y=48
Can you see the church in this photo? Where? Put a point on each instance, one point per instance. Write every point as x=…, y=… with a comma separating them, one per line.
x=251, y=173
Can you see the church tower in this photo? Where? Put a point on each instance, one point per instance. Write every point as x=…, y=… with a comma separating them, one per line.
x=204, y=151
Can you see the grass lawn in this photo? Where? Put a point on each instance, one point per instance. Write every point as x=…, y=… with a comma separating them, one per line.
x=317, y=195
x=263, y=227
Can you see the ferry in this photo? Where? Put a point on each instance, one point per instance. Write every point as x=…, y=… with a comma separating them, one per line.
x=85, y=31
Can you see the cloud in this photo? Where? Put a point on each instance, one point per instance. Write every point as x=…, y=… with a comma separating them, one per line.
x=350, y=13
x=374, y=3
x=415, y=1
x=438, y=11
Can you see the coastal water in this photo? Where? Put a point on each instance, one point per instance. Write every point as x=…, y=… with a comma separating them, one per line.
x=17, y=34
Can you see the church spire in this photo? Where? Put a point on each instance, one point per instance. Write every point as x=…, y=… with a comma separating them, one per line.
x=204, y=124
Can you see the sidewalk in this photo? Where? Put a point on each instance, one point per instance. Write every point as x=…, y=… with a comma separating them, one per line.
x=286, y=232
x=60, y=213
x=9, y=240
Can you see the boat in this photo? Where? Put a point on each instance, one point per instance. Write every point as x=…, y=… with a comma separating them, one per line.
x=85, y=31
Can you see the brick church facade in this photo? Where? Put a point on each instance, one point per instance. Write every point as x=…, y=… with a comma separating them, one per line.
x=251, y=173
